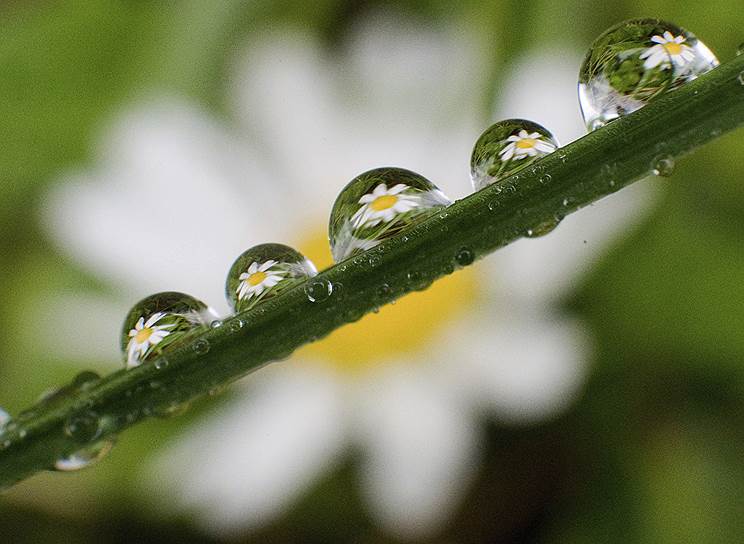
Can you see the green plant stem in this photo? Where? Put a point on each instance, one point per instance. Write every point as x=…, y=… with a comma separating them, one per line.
x=577, y=175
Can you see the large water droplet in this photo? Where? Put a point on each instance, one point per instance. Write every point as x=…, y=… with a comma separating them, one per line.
x=634, y=62
x=506, y=147
x=84, y=427
x=264, y=271
x=663, y=166
x=377, y=205
x=84, y=457
x=318, y=289
x=159, y=322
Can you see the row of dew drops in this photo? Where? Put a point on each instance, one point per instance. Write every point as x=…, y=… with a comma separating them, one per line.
x=627, y=66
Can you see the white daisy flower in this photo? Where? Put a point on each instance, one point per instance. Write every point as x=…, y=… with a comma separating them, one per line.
x=524, y=145
x=406, y=387
x=144, y=335
x=382, y=205
x=258, y=278
x=668, y=47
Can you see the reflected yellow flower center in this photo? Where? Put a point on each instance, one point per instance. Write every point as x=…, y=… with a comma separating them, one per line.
x=256, y=278
x=143, y=335
x=383, y=202
x=526, y=143
x=673, y=48
x=397, y=331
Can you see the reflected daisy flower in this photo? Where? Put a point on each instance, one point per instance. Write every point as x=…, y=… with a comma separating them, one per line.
x=668, y=47
x=258, y=278
x=524, y=145
x=408, y=386
x=144, y=335
x=383, y=205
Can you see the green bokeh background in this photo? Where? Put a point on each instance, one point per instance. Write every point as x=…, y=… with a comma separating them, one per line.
x=652, y=452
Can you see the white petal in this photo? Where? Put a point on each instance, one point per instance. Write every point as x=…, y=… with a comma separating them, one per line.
x=668, y=36
x=265, y=266
x=154, y=318
x=658, y=39
x=523, y=367
x=244, y=465
x=508, y=152
x=397, y=189
x=420, y=450
x=547, y=268
x=656, y=58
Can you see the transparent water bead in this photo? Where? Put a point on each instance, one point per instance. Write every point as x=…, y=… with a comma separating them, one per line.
x=506, y=147
x=377, y=205
x=634, y=62
x=84, y=457
x=265, y=271
x=159, y=322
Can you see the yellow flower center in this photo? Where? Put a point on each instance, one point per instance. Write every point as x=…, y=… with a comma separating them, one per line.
x=143, y=335
x=397, y=331
x=383, y=202
x=526, y=143
x=673, y=48
x=256, y=278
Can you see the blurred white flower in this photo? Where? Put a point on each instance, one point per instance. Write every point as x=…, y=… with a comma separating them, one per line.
x=407, y=385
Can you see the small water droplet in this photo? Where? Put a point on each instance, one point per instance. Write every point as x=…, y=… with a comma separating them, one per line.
x=563, y=157
x=84, y=427
x=161, y=363
x=160, y=322
x=543, y=228
x=236, y=325
x=215, y=324
x=85, y=380
x=633, y=63
x=493, y=205
x=417, y=281
x=663, y=166
x=378, y=205
x=465, y=256
x=85, y=457
x=318, y=289
x=545, y=178
x=265, y=271
x=507, y=147
x=202, y=346
x=384, y=291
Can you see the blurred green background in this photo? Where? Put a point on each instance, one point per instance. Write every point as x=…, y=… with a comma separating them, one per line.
x=651, y=451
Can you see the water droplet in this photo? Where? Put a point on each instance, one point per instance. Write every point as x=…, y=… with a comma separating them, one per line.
x=265, y=271
x=202, y=346
x=84, y=427
x=384, y=291
x=634, y=62
x=160, y=322
x=236, y=325
x=377, y=205
x=543, y=228
x=84, y=457
x=417, y=281
x=161, y=363
x=465, y=256
x=545, y=178
x=563, y=157
x=663, y=166
x=318, y=289
x=493, y=205
x=216, y=324
x=507, y=147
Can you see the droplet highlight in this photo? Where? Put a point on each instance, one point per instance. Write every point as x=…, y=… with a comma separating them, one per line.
x=84, y=457
x=663, y=167
x=633, y=63
x=318, y=289
x=378, y=205
x=160, y=322
x=541, y=229
x=507, y=147
x=265, y=271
